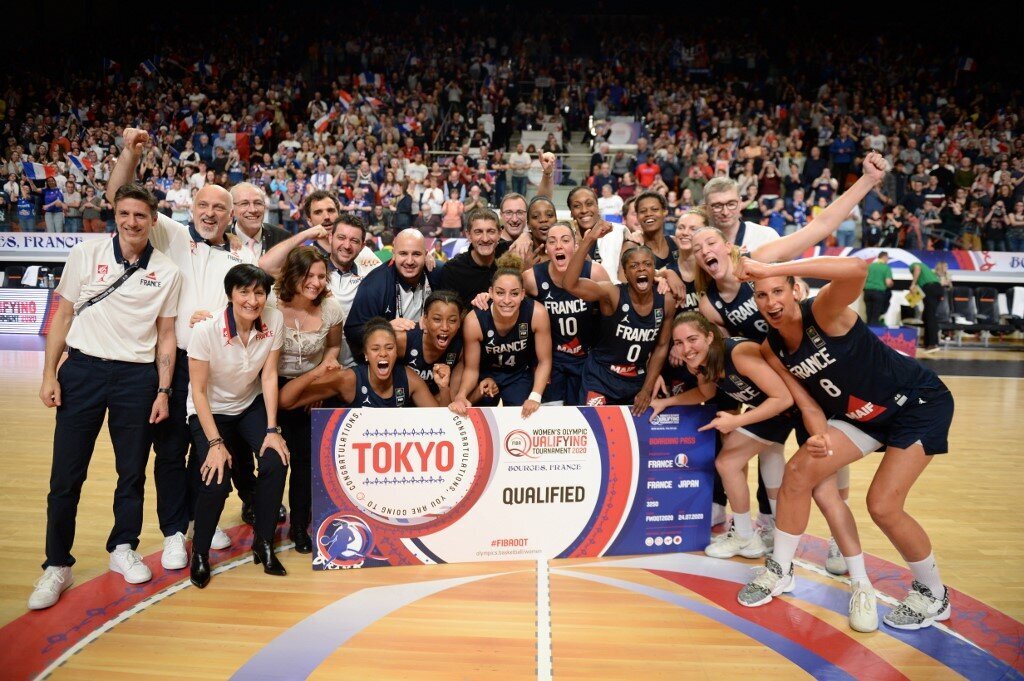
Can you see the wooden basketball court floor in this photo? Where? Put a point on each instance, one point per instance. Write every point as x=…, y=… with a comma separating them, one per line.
x=663, y=617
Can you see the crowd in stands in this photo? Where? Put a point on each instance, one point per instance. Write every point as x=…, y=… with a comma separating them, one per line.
x=416, y=123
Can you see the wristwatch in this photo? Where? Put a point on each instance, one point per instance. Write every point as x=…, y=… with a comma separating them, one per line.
x=275, y=429
x=165, y=391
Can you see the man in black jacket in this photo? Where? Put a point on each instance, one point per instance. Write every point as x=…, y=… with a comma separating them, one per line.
x=395, y=291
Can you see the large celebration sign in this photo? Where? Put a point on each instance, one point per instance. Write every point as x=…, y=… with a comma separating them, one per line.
x=420, y=486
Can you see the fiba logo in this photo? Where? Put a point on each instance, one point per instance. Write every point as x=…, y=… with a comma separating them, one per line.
x=344, y=541
x=682, y=460
x=517, y=443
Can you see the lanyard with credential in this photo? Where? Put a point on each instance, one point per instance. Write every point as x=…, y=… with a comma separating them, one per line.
x=129, y=271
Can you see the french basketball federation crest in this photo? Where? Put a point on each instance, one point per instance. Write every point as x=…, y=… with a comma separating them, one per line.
x=400, y=397
x=524, y=329
x=659, y=314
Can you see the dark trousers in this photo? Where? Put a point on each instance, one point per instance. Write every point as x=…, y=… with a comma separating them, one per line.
x=92, y=388
x=297, y=430
x=175, y=499
x=251, y=426
x=932, y=298
x=876, y=303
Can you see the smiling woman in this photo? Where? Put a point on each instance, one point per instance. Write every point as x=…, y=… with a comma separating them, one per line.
x=233, y=395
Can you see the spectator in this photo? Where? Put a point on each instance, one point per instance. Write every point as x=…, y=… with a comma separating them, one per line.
x=610, y=204
x=427, y=223
x=53, y=206
x=92, y=205
x=878, y=290
x=646, y=172
x=26, y=209
x=451, y=216
x=519, y=163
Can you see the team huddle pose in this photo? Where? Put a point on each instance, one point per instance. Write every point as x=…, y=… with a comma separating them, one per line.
x=577, y=312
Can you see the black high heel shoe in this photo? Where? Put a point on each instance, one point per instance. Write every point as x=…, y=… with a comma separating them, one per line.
x=199, y=572
x=303, y=544
x=263, y=554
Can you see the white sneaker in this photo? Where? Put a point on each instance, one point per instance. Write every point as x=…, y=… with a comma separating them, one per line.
x=748, y=547
x=174, y=556
x=863, y=608
x=835, y=563
x=768, y=583
x=919, y=609
x=221, y=540
x=126, y=562
x=55, y=581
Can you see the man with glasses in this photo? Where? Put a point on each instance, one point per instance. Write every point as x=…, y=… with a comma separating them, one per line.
x=722, y=199
x=249, y=211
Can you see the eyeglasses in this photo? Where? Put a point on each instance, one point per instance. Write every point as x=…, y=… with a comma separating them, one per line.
x=514, y=213
x=719, y=207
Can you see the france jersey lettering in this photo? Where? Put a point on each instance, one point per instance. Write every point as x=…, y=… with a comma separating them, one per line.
x=692, y=299
x=509, y=353
x=617, y=365
x=854, y=377
x=741, y=316
x=574, y=322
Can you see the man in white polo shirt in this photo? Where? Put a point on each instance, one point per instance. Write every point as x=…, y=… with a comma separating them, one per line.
x=118, y=300
x=201, y=253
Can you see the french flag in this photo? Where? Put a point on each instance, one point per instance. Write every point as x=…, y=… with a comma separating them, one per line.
x=264, y=129
x=374, y=102
x=967, y=64
x=149, y=66
x=37, y=171
x=241, y=142
x=202, y=68
x=80, y=163
x=368, y=78
x=324, y=121
x=345, y=99
x=187, y=123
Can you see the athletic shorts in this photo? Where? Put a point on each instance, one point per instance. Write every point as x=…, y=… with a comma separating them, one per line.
x=925, y=418
x=775, y=430
x=566, y=384
x=602, y=387
x=514, y=389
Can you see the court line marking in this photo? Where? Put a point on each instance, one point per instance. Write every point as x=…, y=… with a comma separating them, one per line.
x=139, y=607
x=545, y=653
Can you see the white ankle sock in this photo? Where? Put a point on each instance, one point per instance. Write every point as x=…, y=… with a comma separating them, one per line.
x=773, y=503
x=785, y=548
x=927, y=572
x=742, y=524
x=858, y=573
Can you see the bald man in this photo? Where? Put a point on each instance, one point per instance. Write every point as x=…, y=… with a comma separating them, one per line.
x=249, y=212
x=201, y=252
x=395, y=291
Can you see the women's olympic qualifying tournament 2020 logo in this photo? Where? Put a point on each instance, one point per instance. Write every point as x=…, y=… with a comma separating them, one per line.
x=408, y=476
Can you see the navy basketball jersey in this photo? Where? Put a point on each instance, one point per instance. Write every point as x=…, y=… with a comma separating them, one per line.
x=627, y=339
x=854, y=377
x=366, y=397
x=415, y=359
x=511, y=352
x=678, y=379
x=692, y=300
x=574, y=322
x=673, y=256
x=741, y=316
x=733, y=383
